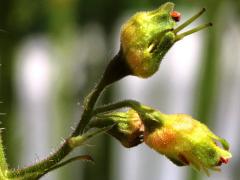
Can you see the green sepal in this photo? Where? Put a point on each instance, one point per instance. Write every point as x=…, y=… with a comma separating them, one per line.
x=224, y=143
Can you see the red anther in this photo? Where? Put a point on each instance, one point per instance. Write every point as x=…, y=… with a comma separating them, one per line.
x=223, y=160
x=175, y=15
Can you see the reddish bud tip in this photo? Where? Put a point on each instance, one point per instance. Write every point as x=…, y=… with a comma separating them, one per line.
x=224, y=160
x=175, y=15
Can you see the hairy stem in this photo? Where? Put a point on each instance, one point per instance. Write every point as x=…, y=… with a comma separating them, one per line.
x=142, y=110
x=89, y=103
x=76, y=158
x=52, y=162
x=43, y=165
x=122, y=104
x=116, y=70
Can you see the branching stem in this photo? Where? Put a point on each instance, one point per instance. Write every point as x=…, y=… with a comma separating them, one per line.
x=122, y=104
x=116, y=70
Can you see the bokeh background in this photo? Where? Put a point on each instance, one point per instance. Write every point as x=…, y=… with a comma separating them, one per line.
x=53, y=51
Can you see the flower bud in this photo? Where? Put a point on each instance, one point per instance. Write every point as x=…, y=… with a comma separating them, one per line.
x=186, y=141
x=127, y=127
x=147, y=36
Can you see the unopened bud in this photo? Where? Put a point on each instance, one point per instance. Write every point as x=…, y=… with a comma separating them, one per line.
x=186, y=141
x=147, y=36
x=127, y=127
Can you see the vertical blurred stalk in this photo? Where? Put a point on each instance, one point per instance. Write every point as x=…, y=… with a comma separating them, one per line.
x=17, y=19
x=236, y=172
x=8, y=43
x=6, y=96
x=209, y=71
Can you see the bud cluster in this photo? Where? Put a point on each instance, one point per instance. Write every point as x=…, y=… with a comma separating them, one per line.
x=182, y=139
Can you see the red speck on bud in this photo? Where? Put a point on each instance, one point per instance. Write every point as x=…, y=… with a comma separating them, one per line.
x=175, y=15
x=222, y=160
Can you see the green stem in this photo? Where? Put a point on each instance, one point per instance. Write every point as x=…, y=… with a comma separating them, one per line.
x=65, y=148
x=143, y=111
x=44, y=164
x=89, y=103
x=76, y=158
x=79, y=140
x=52, y=161
x=116, y=70
x=3, y=162
x=122, y=104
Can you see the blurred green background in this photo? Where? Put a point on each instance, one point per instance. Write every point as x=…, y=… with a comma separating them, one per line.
x=53, y=51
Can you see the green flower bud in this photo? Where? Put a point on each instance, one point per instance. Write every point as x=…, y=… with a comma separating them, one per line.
x=147, y=36
x=127, y=127
x=185, y=141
